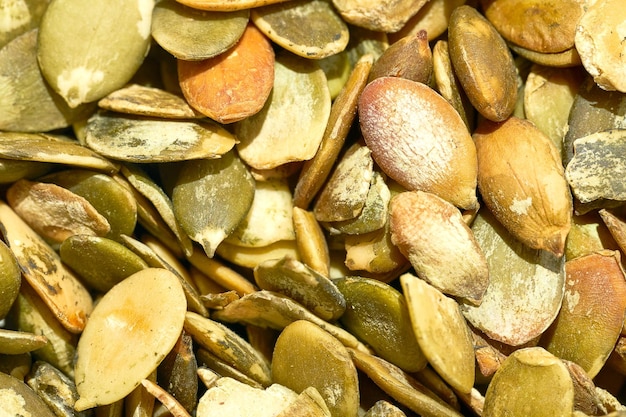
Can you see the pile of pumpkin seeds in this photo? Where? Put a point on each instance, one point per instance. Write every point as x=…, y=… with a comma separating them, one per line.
x=312, y=208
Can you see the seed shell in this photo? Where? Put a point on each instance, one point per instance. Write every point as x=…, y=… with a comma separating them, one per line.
x=130, y=331
x=84, y=62
x=177, y=29
x=308, y=28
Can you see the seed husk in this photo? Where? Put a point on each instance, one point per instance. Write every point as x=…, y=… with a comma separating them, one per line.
x=534, y=205
x=43, y=270
x=441, y=332
x=177, y=28
x=418, y=139
x=594, y=289
x=483, y=63
x=218, y=88
x=134, y=325
x=311, y=289
x=84, y=63
x=377, y=314
x=296, y=112
x=142, y=139
x=305, y=355
x=202, y=183
x=311, y=29
x=527, y=374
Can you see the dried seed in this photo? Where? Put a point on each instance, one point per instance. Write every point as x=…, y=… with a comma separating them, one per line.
x=201, y=183
x=55, y=389
x=94, y=60
x=533, y=381
x=600, y=42
x=224, y=369
x=418, y=139
x=386, y=16
x=590, y=234
x=310, y=241
x=377, y=314
x=311, y=289
x=431, y=233
x=308, y=404
x=177, y=29
x=100, y=262
x=227, y=6
x=43, y=270
x=218, y=88
x=252, y=257
x=441, y=332
x=18, y=399
x=566, y=59
x=535, y=204
x=311, y=29
x=305, y=355
x=433, y=17
x=136, y=139
x=13, y=170
x=16, y=342
x=296, y=112
x=165, y=398
x=10, y=279
x=134, y=325
x=409, y=58
x=525, y=289
x=595, y=300
x=221, y=274
x=178, y=372
x=54, y=212
x=483, y=63
x=19, y=17
x=337, y=69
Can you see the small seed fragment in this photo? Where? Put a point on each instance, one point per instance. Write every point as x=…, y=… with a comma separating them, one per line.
x=18, y=399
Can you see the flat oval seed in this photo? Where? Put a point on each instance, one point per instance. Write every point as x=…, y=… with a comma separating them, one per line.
x=305, y=355
x=309, y=28
x=10, y=279
x=42, y=268
x=377, y=314
x=483, y=63
x=135, y=139
x=383, y=16
x=129, y=333
x=85, y=62
x=100, y=262
x=233, y=85
x=291, y=125
x=14, y=342
x=227, y=6
x=441, y=332
x=177, y=29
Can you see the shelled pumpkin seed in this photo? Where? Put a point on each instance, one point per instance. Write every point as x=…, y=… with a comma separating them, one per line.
x=219, y=141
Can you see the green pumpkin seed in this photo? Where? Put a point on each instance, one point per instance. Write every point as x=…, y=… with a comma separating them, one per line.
x=134, y=325
x=177, y=29
x=294, y=279
x=337, y=70
x=51, y=149
x=209, y=183
x=296, y=112
x=43, y=270
x=19, y=17
x=134, y=139
x=377, y=314
x=525, y=289
x=269, y=218
x=28, y=104
x=105, y=194
x=100, y=262
x=18, y=399
x=148, y=101
x=16, y=342
x=10, y=279
x=531, y=373
x=12, y=170
x=307, y=356
x=311, y=29
x=85, y=62
x=229, y=347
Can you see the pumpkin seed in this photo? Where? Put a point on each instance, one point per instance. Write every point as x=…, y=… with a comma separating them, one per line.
x=296, y=112
x=56, y=389
x=305, y=355
x=177, y=28
x=19, y=17
x=28, y=104
x=94, y=60
x=311, y=29
x=314, y=291
x=310, y=241
x=43, y=270
x=177, y=372
x=409, y=57
x=433, y=315
x=13, y=170
x=433, y=17
x=377, y=314
x=16, y=342
x=221, y=6
x=19, y=399
x=10, y=279
x=203, y=183
x=147, y=101
x=221, y=274
x=134, y=325
x=566, y=59
x=388, y=16
x=221, y=367
x=252, y=257
x=337, y=69
x=219, y=89
x=134, y=139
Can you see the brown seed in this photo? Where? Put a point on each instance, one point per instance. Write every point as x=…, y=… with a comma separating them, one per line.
x=409, y=58
x=521, y=180
x=219, y=87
